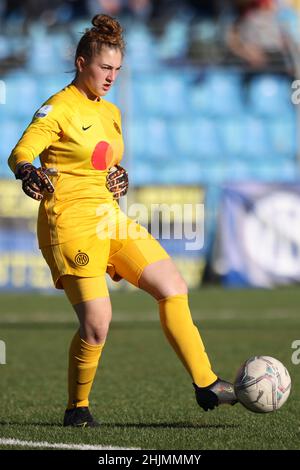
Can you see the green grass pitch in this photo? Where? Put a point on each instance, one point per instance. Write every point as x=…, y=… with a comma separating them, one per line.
x=142, y=394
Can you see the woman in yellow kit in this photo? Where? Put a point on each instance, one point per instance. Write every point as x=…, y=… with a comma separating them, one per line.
x=78, y=136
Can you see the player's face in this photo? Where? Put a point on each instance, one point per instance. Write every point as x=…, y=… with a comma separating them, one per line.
x=98, y=75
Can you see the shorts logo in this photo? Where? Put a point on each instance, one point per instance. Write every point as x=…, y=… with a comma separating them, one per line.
x=117, y=127
x=81, y=259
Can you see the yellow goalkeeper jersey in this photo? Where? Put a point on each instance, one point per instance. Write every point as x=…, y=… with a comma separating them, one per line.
x=81, y=139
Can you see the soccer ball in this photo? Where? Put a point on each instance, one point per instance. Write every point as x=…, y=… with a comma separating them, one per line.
x=262, y=384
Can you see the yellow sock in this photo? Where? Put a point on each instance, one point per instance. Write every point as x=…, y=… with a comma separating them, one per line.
x=177, y=323
x=83, y=362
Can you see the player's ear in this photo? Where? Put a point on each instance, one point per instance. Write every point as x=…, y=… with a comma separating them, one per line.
x=80, y=63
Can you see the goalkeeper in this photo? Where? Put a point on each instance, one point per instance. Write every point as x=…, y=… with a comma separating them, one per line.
x=78, y=136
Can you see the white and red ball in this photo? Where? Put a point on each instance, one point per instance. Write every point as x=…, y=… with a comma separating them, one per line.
x=262, y=384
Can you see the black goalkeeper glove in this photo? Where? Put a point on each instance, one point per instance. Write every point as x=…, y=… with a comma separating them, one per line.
x=34, y=181
x=117, y=181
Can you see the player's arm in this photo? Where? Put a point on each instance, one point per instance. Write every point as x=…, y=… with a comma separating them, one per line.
x=44, y=129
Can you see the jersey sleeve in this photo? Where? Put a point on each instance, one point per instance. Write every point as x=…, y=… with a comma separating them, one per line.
x=46, y=127
x=118, y=116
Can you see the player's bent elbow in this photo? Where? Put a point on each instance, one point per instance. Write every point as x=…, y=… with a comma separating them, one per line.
x=11, y=163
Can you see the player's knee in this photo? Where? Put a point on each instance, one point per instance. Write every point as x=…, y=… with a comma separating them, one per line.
x=98, y=337
x=178, y=285
x=162, y=279
x=181, y=286
x=174, y=285
x=95, y=335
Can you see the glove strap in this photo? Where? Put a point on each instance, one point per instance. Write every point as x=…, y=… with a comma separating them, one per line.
x=23, y=170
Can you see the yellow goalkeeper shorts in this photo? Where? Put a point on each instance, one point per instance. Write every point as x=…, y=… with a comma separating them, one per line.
x=123, y=251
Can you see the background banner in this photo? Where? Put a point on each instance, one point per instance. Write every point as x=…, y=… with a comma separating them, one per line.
x=258, y=239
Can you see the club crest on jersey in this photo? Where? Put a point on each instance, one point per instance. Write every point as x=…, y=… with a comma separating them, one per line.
x=81, y=259
x=43, y=111
x=117, y=127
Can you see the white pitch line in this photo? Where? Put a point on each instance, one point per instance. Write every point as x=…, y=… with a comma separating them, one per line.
x=18, y=442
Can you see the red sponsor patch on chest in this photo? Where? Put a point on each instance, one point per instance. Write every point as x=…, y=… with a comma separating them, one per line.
x=102, y=155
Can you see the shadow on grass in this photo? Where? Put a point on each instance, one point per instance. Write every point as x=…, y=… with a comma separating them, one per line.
x=131, y=425
x=171, y=425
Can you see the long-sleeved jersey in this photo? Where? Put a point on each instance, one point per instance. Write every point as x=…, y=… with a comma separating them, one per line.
x=81, y=139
